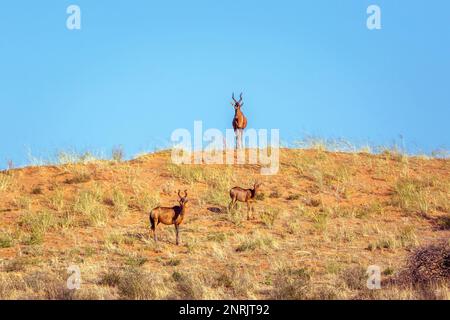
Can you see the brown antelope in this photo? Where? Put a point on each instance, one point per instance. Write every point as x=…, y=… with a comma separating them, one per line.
x=239, y=120
x=169, y=215
x=244, y=195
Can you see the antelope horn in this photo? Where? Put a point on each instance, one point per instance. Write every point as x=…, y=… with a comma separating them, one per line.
x=240, y=98
x=232, y=96
x=185, y=193
x=179, y=191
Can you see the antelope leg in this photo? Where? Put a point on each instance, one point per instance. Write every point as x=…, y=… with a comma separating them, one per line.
x=177, y=232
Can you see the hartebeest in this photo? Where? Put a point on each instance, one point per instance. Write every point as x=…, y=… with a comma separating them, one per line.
x=244, y=195
x=239, y=120
x=169, y=215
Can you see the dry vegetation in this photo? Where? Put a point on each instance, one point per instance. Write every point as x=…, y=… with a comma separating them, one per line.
x=319, y=224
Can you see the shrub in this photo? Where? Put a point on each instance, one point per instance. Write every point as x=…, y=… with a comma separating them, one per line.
x=410, y=196
x=407, y=238
x=119, y=202
x=146, y=201
x=268, y=216
x=137, y=285
x=38, y=222
x=6, y=240
x=275, y=194
x=320, y=221
x=292, y=197
x=23, y=202
x=355, y=278
x=239, y=282
x=136, y=260
x=291, y=284
x=429, y=264
x=88, y=203
x=387, y=242
x=189, y=286
x=5, y=181
x=260, y=196
x=79, y=173
x=235, y=216
x=57, y=200
x=256, y=241
x=10, y=284
x=217, y=237
x=110, y=278
x=36, y=190
x=216, y=197
x=118, y=154
x=187, y=173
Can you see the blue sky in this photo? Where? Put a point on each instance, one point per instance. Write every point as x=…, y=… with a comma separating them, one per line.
x=139, y=69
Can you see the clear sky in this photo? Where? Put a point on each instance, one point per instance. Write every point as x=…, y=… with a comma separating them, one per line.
x=139, y=69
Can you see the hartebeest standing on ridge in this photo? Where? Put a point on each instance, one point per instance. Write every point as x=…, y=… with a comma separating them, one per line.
x=239, y=120
x=244, y=195
x=169, y=215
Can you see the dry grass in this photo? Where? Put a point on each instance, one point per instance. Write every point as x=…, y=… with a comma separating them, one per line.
x=89, y=204
x=318, y=224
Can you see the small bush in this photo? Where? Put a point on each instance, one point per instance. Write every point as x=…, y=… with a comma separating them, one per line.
x=136, y=261
x=120, y=203
x=292, y=227
x=38, y=222
x=118, y=154
x=187, y=173
x=355, y=278
x=275, y=194
x=5, y=181
x=256, y=241
x=57, y=200
x=113, y=240
x=216, y=197
x=235, y=216
x=320, y=221
x=10, y=284
x=217, y=237
x=172, y=262
x=6, y=239
x=409, y=195
x=292, y=197
x=268, y=217
x=34, y=238
x=110, y=278
x=260, y=196
x=407, y=238
x=239, y=282
x=36, y=190
x=369, y=210
x=137, y=285
x=291, y=284
x=23, y=202
x=429, y=264
x=189, y=286
x=79, y=173
x=88, y=203
x=387, y=242
x=146, y=201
